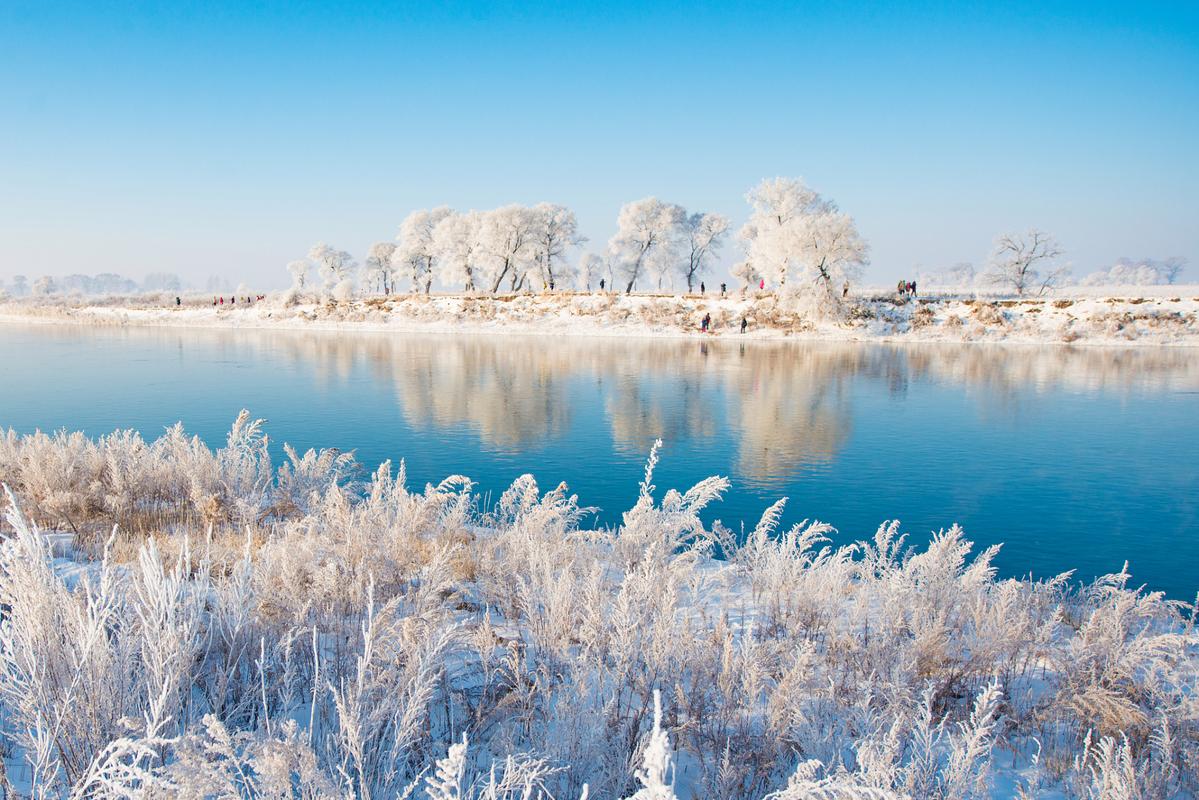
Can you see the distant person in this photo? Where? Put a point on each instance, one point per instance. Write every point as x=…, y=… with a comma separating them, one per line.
x=901, y=287
x=913, y=288
x=762, y=284
x=702, y=289
x=214, y=301
x=222, y=300
x=601, y=284
x=845, y=289
x=705, y=322
x=723, y=289
x=744, y=324
x=178, y=302
x=233, y=299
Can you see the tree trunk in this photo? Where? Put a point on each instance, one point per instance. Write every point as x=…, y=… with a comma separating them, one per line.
x=500, y=278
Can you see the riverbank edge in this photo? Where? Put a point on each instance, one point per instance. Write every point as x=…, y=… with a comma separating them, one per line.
x=1106, y=322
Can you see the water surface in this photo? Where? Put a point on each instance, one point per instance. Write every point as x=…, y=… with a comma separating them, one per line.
x=1075, y=458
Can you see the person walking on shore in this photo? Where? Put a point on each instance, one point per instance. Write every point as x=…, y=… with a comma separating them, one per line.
x=744, y=324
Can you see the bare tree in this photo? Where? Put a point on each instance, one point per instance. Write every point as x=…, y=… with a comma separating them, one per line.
x=703, y=233
x=1018, y=262
x=1173, y=267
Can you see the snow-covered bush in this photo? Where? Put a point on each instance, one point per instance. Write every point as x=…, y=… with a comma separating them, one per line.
x=292, y=633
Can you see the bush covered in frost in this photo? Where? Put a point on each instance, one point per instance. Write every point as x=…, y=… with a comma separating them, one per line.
x=229, y=629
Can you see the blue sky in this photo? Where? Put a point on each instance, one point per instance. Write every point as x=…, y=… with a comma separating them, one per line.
x=225, y=138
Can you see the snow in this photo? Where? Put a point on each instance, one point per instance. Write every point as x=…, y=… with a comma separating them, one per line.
x=1079, y=316
x=373, y=639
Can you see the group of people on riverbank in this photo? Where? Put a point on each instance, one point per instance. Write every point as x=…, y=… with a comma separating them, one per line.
x=705, y=324
x=906, y=288
x=219, y=300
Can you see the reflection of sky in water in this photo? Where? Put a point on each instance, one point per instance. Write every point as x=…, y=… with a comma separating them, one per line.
x=1075, y=458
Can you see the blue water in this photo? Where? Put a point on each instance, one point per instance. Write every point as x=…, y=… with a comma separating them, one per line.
x=1074, y=458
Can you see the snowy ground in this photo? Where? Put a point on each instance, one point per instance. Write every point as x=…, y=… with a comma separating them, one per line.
x=1080, y=315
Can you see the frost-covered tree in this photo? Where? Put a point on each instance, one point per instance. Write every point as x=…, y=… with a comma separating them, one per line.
x=456, y=243
x=111, y=283
x=161, y=282
x=379, y=269
x=335, y=267
x=1138, y=272
x=591, y=269
x=646, y=239
x=505, y=245
x=298, y=269
x=704, y=234
x=78, y=284
x=44, y=286
x=796, y=238
x=555, y=231
x=745, y=272
x=417, y=253
x=1172, y=268
x=1018, y=261
x=20, y=285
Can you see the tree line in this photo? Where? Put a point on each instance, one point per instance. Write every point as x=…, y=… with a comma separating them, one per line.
x=794, y=236
x=795, y=240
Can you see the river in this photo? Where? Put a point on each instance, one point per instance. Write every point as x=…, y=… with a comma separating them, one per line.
x=1074, y=458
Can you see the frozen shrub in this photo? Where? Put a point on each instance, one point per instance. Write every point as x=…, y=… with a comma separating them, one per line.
x=317, y=638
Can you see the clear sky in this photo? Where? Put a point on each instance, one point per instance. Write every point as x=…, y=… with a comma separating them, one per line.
x=225, y=138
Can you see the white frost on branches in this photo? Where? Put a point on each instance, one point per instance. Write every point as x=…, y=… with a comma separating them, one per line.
x=1027, y=262
x=801, y=242
x=646, y=240
x=253, y=631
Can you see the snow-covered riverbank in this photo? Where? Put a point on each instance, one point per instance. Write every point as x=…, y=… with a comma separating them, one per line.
x=1149, y=315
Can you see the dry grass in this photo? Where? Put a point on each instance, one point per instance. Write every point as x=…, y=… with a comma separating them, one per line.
x=391, y=621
